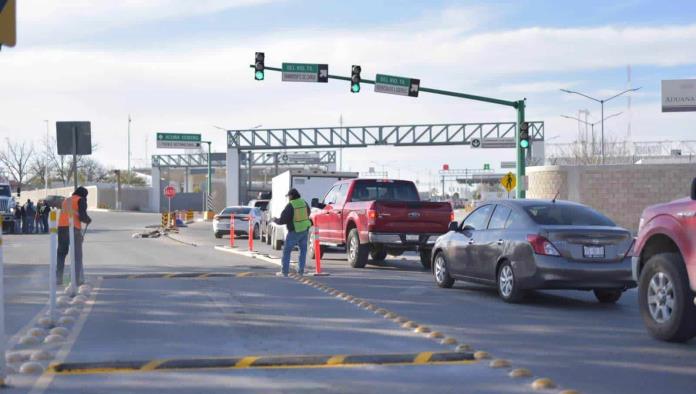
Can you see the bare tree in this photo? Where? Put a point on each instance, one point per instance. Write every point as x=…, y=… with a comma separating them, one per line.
x=15, y=157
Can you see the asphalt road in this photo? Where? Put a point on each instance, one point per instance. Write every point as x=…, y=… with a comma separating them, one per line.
x=565, y=335
x=140, y=311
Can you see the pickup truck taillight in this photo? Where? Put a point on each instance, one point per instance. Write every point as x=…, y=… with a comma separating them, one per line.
x=371, y=216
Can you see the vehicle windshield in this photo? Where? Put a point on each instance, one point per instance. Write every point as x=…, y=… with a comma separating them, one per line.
x=261, y=205
x=5, y=191
x=566, y=215
x=385, y=191
x=236, y=211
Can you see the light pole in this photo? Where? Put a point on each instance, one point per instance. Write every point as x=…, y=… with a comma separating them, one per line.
x=592, y=125
x=601, y=101
x=47, y=156
x=209, y=183
x=129, y=148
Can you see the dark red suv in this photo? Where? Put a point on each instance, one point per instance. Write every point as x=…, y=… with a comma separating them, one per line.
x=664, y=264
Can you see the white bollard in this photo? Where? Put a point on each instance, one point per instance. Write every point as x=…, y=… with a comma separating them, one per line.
x=53, y=252
x=2, y=313
x=72, y=290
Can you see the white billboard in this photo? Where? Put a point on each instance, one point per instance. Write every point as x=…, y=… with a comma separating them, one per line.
x=679, y=95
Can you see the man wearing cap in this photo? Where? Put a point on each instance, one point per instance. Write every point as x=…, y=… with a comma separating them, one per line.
x=77, y=205
x=296, y=217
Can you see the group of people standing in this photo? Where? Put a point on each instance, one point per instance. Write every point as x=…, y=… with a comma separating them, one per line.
x=32, y=219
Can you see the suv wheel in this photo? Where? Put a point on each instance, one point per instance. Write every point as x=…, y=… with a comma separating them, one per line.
x=665, y=299
x=357, y=252
x=607, y=296
x=442, y=276
x=508, y=287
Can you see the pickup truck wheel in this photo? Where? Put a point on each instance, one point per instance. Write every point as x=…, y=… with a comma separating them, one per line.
x=607, y=296
x=357, y=252
x=665, y=299
x=425, y=256
x=378, y=254
x=442, y=276
x=310, y=246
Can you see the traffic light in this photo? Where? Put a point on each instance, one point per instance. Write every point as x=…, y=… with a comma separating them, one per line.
x=524, y=135
x=355, y=79
x=259, y=66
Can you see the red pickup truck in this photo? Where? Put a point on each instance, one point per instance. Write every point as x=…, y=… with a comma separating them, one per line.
x=664, y=265
x=373, y=218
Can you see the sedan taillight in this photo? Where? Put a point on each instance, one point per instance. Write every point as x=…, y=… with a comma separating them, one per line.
x=542, y=245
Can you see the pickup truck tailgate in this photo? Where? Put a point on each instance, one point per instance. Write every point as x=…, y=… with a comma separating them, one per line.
x=411, y=217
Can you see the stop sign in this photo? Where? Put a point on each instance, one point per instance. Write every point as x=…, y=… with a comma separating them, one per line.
x=169, y=191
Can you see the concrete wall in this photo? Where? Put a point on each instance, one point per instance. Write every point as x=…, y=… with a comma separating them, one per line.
x=101, y=196
x=619, y=191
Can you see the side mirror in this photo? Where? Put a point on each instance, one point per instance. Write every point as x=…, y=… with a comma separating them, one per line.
x=314, y=203
x=693, y=189
x=467, y=228
x=453, y=226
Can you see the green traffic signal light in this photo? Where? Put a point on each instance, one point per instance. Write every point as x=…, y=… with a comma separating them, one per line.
x=259, y=75
x=524, y=144
x=355, y=87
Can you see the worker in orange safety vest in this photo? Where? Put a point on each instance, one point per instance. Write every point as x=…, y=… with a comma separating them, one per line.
x=77, y=206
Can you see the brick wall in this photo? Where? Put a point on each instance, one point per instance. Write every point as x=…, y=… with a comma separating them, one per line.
x=619, y=191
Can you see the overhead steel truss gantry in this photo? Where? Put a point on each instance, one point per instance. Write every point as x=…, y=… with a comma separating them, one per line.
x=500, y=134
x=267, y=159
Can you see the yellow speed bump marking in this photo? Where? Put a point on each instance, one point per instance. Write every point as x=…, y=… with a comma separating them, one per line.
x=481, y=355
x=543, y=384
x=423, y=358
x=499, y=363
x=436, y=335
x=274, y=362
x=422, y=329
x=246, y=362
x=569, y=392
x=449, y=341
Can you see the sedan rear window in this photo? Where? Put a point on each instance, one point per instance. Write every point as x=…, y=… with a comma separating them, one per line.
x=567, y=215
x=236, y=211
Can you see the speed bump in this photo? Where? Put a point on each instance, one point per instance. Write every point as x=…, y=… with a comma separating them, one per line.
x=307, y=361
x=543, y=384
x=188, y=275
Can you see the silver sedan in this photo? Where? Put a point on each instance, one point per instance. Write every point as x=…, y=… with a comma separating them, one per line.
x=519, y=245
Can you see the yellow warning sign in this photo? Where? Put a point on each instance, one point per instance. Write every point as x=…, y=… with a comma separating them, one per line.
x=8, y=25
x=509, y=181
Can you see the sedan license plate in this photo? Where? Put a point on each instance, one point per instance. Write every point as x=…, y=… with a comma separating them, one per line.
x=412, y=237
x=593, y=252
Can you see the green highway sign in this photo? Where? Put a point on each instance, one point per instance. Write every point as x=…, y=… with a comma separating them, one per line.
x=397, y=85
x=178, y=141
x=305, y=72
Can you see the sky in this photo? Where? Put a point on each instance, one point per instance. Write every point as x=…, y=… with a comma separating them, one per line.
x=183, y=66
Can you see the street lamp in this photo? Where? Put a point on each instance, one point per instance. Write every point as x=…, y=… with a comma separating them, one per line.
x=601, y=101
x=592, y=125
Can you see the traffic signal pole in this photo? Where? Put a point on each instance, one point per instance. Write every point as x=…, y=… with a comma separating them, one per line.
x=518, y=105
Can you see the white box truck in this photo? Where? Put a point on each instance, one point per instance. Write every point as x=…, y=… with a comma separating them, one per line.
x=310, y=183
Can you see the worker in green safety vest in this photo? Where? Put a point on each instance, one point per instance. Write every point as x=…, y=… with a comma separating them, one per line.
x=295, y=216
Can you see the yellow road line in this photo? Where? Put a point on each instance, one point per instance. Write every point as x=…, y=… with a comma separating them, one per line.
x=152, y=365
x=336, y=360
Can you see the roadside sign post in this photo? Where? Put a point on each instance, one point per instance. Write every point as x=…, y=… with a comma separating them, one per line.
x=509, y=182
x=178, y=141
x=53, y=229
x=169, y=192
x=397, y=85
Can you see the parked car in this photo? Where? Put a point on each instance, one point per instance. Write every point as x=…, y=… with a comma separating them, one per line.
x=664, y=264
x=242, y=215
x=375, y=217
x=519, y=245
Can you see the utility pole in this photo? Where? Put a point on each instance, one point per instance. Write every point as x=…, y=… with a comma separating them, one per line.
x=47, y=156
x=210, y=181
x=129, y=148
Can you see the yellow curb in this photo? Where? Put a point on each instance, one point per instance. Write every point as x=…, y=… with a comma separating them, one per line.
x=543, y=384
x=245, y=362
x=423, y=358
x=481, y=355
x=335, y=360
x=436, y=335
x=449, y=341
x=422, y=329
x=499, y=363
x=409, y=324
x=463, y=348
x=520, y=373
